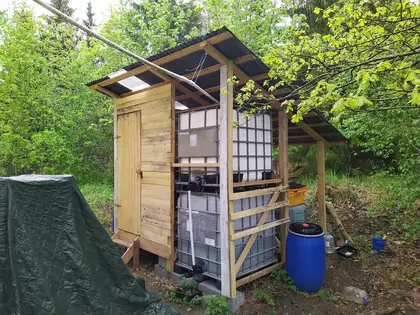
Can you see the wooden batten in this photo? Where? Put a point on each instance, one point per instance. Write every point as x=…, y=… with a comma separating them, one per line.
x=283, y=162
x=228, y=279
x=321, y=185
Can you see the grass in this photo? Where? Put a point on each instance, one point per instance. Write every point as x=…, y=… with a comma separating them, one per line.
x=324, y=295
x=282, y=276
x=391, y=196
x=212, y=304
x=264, y=297
x=100, y=198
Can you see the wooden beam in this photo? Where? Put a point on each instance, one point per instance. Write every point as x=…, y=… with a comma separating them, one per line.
x=195, y=165
x=143, y=90
x=109, y=93
x=258, y=274
x=243, y=59
x=283, y=167
x=314, y=142
x=310, y=131
x=324, y=134
x=209, y=90
x=321, y=185
x=253, y=211
x=192, y=94
x=128, y=254
x=178, y=85
x=171, y=239
x=228, y=277
x=259, y=228
x=176, y=55
x=321, y=124
x=244, y=77
x=203, y=71
x=258, y=182
x=214, y=53
x=260, y=77
x=258, y=192
x=155, y=248
x=253, y=237
x=115, y=210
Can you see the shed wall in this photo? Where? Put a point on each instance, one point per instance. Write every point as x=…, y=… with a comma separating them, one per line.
x=155, y=158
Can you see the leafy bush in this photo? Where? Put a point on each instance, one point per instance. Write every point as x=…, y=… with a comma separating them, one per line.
x=100, y=198
x=188, y=284
x=215, y=305
x=326, y=296
x=282, y=276
x=266, y=299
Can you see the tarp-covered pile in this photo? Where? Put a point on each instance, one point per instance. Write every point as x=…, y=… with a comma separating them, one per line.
x=56, y=258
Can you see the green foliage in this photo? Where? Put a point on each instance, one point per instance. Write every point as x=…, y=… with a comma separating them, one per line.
x=399, y=202
x=368, y=57
x=150, y=26
x=100, y=198
x=178, y=298
x=396, y=200
x=324, y=295
x=258, y=23
x=188, y=284
x=266, y=299
x=416, y=279
x=282, y=276
x=215, y=305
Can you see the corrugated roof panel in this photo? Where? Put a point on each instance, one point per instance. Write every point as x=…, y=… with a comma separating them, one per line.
x=149, y=78
x=117, y=88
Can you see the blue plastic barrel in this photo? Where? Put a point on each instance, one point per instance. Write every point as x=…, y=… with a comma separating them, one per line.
x=305, y=256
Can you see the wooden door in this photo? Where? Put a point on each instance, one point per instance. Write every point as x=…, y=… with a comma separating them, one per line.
x=129, y=173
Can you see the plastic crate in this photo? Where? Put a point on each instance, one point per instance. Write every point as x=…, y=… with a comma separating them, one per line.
x=297, y=196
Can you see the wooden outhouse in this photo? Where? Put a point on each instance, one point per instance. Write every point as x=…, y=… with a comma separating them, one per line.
x=169, y=137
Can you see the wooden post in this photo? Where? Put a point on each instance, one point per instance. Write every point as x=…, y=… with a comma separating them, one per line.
x=227, y=253
x=284, y=175
x=321, y=185
x=115, y=217
x=171, y=261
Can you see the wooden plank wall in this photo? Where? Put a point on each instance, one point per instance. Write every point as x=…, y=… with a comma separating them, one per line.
x=156, y=156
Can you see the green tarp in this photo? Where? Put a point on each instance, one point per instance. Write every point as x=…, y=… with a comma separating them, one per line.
x=56, y=258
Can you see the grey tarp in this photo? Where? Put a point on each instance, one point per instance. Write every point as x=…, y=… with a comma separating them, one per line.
x=56, y=258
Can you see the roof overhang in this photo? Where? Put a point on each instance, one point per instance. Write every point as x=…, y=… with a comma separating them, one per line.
x=200, y=60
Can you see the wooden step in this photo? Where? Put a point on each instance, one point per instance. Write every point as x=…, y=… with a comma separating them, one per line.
x=121, y=242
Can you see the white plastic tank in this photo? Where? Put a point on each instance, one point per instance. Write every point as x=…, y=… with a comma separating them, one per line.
x=252, y=142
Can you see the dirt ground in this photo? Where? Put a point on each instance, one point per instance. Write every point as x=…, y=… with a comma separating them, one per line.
x=387, y=277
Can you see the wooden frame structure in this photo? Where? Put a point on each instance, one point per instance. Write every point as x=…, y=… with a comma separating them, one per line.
x=144, y=148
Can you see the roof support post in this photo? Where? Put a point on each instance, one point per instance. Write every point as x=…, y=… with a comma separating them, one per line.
x=227, y=247
x=321, y=185
x=283, y=163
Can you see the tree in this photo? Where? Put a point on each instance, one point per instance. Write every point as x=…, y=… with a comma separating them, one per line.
x=258, y=23
x=63, y=6
x=369, y=58
x=151, y=26
x=89, y=22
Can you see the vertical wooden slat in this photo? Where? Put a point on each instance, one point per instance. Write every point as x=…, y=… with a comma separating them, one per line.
x=228, y=277
x=115, y=217
x=129, y=181
x=137, y=170
x=171, y=241
x=232, y=250
x=321, y=185
x=284, y=174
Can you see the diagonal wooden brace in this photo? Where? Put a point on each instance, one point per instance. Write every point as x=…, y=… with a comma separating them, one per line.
x=253, y=237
